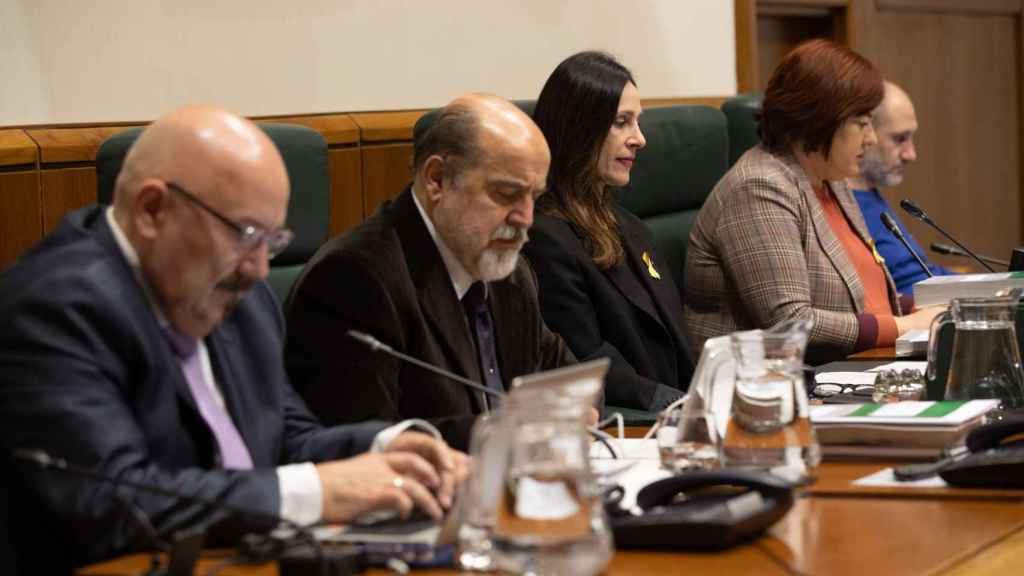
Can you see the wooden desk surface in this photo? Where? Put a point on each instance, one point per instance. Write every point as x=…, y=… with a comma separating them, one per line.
x=832, y=529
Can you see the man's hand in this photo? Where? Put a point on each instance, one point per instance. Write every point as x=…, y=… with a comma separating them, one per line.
x=387, y=481
x=452, y=466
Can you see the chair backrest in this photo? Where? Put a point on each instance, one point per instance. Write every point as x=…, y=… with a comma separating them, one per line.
x=739, y=112
x=687, y=153
x=309, y=205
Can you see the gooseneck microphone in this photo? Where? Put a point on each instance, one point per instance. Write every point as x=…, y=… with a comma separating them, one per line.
x=378, y=346
x=890, y=224
x=45, y=461
x=954, y=251
x=914, y=210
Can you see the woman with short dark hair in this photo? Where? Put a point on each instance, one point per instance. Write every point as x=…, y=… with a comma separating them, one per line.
x=603, y=286
x=781, y=236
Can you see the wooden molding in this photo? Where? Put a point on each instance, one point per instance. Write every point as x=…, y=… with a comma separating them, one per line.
x=993, y=7
x=58, y=145
x=17, y=148
x=337, y=129
x=387, y=126
x=713, y=101
x=804, y=3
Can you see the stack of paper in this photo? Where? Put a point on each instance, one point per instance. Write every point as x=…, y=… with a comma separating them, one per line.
x=912, y=343
x=941, y=289
x=896, y=430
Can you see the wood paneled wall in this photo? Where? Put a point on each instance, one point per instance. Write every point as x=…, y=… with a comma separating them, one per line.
x=961, y=62
x=46, y=172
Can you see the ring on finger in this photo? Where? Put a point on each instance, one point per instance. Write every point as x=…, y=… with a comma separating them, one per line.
x=398, y=482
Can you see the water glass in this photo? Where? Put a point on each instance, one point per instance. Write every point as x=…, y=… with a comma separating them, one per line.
x=688, y=439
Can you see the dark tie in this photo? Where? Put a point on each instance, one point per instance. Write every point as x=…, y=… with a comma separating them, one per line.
x=480, y=321
x=233, y=453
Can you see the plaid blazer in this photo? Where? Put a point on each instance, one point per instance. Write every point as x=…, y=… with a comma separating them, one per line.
x=761, y=251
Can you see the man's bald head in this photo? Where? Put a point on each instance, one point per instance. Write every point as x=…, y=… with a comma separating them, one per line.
x=198, y=184
x=478, y=171
x=207, y=141
x=895, y=124
x=469, y=126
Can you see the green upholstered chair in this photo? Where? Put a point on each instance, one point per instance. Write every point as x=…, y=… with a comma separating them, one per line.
x=739, y=112
x=687, y=153
x=305, y=157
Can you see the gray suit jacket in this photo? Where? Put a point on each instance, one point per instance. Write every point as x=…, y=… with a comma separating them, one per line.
x=761, y=251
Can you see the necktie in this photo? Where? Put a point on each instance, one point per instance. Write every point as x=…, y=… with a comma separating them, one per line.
x=479, y=316
x=233, y=452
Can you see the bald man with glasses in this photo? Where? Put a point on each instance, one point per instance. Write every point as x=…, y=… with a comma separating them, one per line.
x=141, y=342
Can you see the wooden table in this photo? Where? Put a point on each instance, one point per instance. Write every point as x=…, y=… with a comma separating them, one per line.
x=834, y=528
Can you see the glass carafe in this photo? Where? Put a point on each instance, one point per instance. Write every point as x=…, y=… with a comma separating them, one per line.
x=985, y=357
x=536, y=495
x=769, y=420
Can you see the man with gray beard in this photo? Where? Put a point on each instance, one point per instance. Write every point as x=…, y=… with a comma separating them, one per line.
x=435, y=274
x=882, y=166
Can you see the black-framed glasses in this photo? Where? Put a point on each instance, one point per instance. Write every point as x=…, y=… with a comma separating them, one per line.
x=249, y=236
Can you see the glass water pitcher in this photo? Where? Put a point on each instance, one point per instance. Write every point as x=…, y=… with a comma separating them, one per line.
x=768, y=421
x=534, y=506
x=985, y=357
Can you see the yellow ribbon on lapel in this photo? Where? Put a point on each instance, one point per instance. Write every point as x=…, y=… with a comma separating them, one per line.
x=874, y=252
x=650, y=266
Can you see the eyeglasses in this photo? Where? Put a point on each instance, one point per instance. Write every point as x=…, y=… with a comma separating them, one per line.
x=829, y=390
x=249, y=237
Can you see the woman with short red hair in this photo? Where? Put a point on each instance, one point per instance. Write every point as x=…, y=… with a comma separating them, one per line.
x=781, y=236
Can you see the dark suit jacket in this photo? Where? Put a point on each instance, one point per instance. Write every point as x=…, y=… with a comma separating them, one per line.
x=622, y=312
x=387, y=278
x=86, y=375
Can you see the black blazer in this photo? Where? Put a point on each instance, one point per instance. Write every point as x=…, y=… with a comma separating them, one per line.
x=387, y=278
x=623, y=312
x=86, y=375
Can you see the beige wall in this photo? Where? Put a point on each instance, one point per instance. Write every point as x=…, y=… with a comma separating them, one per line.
x=110, y=60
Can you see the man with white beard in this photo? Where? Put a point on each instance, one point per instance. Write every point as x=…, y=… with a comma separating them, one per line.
x=895, y=124
x=435, y=274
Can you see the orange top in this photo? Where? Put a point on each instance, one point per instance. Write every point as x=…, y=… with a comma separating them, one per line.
x=876, y=289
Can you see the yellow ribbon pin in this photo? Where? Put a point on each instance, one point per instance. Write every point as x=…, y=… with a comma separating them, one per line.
x=874, y=252
x=650, y=266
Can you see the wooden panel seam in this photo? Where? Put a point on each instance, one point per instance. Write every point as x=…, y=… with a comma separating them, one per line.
x=17, y=148
x=992, y=7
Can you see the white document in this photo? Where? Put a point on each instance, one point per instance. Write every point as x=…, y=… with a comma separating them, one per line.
x=886, y=479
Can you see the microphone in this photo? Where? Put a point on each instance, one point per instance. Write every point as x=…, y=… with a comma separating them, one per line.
x=339, y=558
x=378, y=346
x=954, y=251
x=914, y=210
x=890, y=223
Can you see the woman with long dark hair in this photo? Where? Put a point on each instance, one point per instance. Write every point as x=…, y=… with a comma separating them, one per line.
x=603, y=286
x=781, y=236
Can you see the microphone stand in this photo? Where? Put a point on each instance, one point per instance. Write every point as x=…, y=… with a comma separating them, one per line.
x=914, y=210
x=954, y=251
x=376, y=345
x=890, y=223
